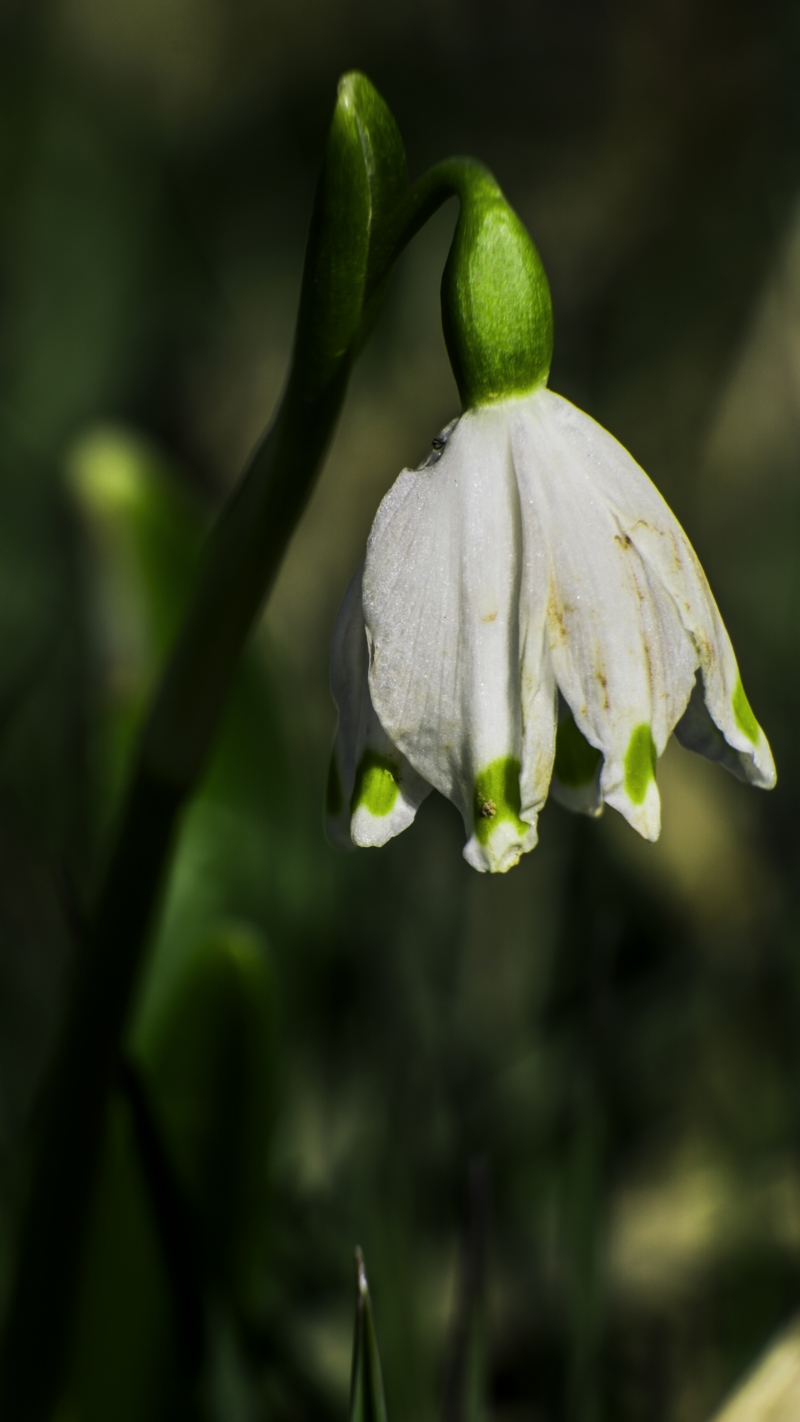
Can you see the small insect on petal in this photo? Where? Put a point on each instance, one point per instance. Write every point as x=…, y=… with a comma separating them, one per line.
x=497, y=798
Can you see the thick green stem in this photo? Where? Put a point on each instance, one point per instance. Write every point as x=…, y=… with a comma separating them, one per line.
x=252, y=536
x=463, y=178
x=242, y=561
x=48, y=1266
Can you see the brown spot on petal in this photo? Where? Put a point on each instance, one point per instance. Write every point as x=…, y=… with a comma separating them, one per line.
x=677, y=552
x=490, y=617
x=557, y=617
x=703, y=647
x=648, y=656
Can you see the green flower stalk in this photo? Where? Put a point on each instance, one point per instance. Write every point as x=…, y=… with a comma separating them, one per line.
x=362, y=181
x=364, y=214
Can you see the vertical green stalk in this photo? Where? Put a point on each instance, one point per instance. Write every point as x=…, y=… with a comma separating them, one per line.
x=363, y=177
x=363, y=216
x=38, y=1326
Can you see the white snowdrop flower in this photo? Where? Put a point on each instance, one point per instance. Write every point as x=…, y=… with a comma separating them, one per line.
x=530, y=612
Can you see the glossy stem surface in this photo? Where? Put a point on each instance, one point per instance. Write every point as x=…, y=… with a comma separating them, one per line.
x=242, y=561
x=177, y=738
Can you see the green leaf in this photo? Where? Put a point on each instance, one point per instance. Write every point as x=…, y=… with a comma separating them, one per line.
x=363, y=178
x=145, y=532
x=209, y=1059
x=126, y=1361
x=367, y=1403
x=363, y=170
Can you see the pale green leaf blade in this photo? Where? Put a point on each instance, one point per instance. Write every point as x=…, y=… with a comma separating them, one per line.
x=367, y=1402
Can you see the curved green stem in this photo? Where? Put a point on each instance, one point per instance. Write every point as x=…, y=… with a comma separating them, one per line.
x=251, y=538
x=242, y=561
x=463, y=178
x=254, y=531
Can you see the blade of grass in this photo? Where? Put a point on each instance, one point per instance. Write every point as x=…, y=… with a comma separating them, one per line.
x=367, y=1403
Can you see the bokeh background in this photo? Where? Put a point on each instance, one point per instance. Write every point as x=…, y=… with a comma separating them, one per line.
x=608, y=1039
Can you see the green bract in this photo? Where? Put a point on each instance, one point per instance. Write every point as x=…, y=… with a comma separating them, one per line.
x=363, y=177
x=496, y=310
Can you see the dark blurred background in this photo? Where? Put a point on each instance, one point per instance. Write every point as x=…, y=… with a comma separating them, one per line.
x=329, y=1041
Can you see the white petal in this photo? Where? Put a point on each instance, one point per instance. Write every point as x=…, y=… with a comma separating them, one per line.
x=441, y=602
x=538, y=692
x=645, y=518
x=373, y=793
x=697, y=732
x=622, y=659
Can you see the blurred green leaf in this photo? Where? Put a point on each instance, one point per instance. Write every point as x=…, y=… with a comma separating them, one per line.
x=144, y=536
x=367, y=1403
x=146, y=529
x=126, y=1362
x=80, y=250
x=144, y=532
x=209, y=1057
x=466, y=1380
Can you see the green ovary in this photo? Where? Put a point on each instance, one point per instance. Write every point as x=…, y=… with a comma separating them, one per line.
x=496, y=798
x=743, y=714
x=576, y=761
x=376, y=788
x=640, y=763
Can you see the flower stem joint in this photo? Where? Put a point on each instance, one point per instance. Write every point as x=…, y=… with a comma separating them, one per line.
x=529, y=613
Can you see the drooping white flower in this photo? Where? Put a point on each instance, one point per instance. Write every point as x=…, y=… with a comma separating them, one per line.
x=529, y=612
x=530, y=556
